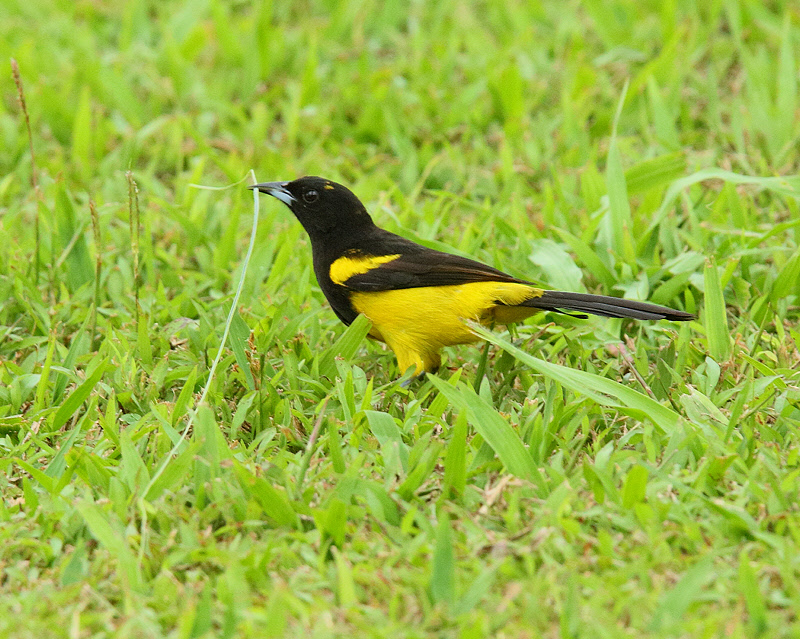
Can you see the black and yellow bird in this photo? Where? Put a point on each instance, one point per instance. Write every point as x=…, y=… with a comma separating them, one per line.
x=418, y=298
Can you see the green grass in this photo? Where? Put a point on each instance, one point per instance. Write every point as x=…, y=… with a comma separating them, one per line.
x=603, y=479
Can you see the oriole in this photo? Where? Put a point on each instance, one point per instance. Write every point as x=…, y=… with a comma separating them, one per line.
x=418, y=298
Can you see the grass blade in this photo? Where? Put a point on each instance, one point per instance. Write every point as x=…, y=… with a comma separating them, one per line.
x=789, y=186
x=719, y=339
x=748, y=583
x=78, y=396
x=114, y=541
x=604, y=391
x=388, y=435
x=240, y=333
x=788, y=279
x=619, y=220
x=455, y=464
x=495, y=430
x=443, y=568
x=345, y=347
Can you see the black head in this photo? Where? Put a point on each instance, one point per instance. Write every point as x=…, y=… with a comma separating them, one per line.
x=322, y=206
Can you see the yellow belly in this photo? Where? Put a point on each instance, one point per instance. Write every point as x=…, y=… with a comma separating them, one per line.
x=417, y=322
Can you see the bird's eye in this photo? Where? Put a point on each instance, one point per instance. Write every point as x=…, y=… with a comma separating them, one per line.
x=310, y=196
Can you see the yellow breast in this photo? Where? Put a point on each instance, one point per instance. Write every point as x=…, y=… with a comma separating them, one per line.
x=417, y=322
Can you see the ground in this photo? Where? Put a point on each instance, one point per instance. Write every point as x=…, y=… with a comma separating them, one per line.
x=580, y=478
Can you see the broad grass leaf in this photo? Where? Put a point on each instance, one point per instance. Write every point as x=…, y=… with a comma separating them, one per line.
x=494, y=429
x=443, y=566
x=113, y=538
x=719, y=339
x=387, y=433
x=78, y=396
x=273, y=501
x=345, y=347
x=240, y=333
x=604, y=391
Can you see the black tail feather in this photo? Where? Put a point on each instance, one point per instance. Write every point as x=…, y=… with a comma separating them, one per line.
x=605, y=306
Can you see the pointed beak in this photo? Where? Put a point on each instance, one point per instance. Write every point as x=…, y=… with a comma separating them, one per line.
x=275, y=189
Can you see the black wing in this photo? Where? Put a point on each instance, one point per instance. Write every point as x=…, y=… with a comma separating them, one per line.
x=425, y=267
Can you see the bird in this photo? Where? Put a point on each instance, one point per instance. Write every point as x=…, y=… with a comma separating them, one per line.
x=418, y=299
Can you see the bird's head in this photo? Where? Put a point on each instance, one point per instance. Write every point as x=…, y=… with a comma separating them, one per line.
x=321, y=205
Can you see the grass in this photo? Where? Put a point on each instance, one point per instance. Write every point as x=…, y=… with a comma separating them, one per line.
x=601, y=479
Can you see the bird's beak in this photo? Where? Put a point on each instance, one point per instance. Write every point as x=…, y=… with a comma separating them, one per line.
x=275, y=189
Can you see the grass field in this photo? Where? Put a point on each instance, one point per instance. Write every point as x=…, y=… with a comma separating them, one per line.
x=591, y=478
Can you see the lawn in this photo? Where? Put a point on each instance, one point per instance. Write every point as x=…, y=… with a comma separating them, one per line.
x=192, y=445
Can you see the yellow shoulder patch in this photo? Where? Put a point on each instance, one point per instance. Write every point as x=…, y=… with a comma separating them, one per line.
x=346, y=266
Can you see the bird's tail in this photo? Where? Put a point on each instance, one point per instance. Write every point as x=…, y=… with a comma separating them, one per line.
x=561, y=301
